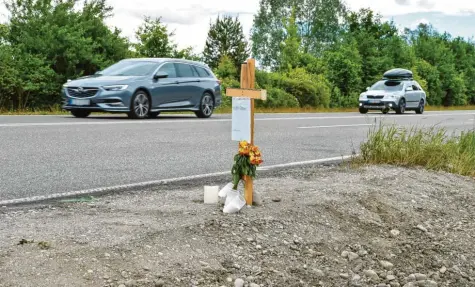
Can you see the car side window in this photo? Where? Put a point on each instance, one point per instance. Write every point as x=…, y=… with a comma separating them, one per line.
x=202, y=72
x=185, y=71
x=415, y=87
x=169, y=68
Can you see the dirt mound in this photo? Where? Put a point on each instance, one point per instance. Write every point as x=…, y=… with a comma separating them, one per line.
x=377, y=226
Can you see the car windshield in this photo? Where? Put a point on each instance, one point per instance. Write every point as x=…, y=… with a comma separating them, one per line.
x=387, y=86
x=130, y=68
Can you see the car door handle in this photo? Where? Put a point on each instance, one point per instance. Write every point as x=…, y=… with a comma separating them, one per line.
x=177, y=82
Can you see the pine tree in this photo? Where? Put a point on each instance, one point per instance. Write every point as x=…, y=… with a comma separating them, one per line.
x=226, y=38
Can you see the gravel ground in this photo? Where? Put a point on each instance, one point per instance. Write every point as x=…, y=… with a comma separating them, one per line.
x=319, y=226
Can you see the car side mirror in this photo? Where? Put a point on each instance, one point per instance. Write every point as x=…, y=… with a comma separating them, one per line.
x=367, y=88
x=160, y=75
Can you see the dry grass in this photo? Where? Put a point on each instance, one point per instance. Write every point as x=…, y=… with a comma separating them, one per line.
x=430, y=148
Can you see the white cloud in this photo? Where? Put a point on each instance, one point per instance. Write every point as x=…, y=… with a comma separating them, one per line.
x=188, y=18
x=397, y=7
x=417, y=22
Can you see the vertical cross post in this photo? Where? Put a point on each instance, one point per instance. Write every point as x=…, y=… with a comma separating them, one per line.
x=248, y=93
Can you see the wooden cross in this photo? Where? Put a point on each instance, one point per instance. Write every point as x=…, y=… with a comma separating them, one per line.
x=243, y=113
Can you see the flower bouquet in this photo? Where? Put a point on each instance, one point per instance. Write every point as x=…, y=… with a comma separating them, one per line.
x=246, y=162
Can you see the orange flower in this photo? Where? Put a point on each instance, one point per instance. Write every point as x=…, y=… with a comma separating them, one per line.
x=243, y=144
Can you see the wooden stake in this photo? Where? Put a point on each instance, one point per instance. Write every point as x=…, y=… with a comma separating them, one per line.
x=249, y=184
x=247, y=90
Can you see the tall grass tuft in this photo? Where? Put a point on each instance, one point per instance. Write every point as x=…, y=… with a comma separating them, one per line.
x=431, y=148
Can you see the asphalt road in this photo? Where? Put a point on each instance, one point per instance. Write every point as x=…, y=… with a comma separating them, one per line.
x=41, y=155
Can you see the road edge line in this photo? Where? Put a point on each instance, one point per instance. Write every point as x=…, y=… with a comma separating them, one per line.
x=145, y=184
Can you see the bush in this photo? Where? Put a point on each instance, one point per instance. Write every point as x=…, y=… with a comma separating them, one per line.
x=431, y=148
x=310, y=90
x=277, y=98
x=227, y=83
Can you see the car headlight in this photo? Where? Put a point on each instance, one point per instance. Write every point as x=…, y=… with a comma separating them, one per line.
x=115, y=87
x=362, y=96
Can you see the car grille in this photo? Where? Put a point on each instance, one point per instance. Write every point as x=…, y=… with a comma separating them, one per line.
x=375, y=97
x=79, y=92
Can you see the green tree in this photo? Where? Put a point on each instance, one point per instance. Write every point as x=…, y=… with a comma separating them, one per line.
x=290, y=48
x=227, y=73
x=154, y=40
x=317, y=22
x=225, y=38
x=51, y=41
x=344, y=70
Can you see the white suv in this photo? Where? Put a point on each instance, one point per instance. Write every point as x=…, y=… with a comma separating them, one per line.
x=397, y=91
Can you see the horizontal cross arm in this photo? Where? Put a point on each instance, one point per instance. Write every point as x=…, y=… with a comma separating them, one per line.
x=247, y=93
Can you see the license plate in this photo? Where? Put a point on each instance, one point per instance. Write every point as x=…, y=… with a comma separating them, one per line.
x=374, y=101
x=80, y=102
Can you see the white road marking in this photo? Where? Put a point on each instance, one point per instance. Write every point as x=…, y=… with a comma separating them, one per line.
x=100, y=190
x=334, y=126
x=107, y=121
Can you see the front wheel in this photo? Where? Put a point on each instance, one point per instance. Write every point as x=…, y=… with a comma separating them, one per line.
x=420, y=109
x=206, y=106
x=363, y=110
x=80, y=113
x=401, y=107
x=139, y=106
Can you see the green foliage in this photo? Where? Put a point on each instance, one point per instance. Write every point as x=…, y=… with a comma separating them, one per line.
x=226, y=38
x=344, y=68
x=227, y=73
x=154, y=40
x=278, y=98
x=317, y=22
x=429, y=148
x=47, y=42
x=291, y=47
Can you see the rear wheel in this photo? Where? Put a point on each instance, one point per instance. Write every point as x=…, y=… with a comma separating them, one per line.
x=140, y=106
x=80, y=113
x=363, y=110
x=206, y=106
x=420, y=109
x=401, y=107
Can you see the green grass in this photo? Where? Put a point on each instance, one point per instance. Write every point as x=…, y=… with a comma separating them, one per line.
x=430, y=148
x=227, y=110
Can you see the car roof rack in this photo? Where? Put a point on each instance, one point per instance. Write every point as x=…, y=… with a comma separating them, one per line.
x=398, y=75
x=398, y=79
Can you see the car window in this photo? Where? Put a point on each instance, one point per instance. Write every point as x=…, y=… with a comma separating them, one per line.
x=185, y=71
x=387, y=86
x=169, y=68
x=202, y=72
x=130, y=68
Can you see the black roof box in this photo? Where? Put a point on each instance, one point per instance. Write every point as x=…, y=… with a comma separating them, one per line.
x=398, y=74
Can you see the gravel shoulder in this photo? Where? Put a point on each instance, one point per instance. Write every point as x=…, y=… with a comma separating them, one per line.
x=318, y=226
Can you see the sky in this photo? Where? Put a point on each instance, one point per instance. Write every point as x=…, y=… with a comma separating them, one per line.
x=190, y=19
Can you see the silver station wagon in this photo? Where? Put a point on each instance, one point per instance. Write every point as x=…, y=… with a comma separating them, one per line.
x=144, y=87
